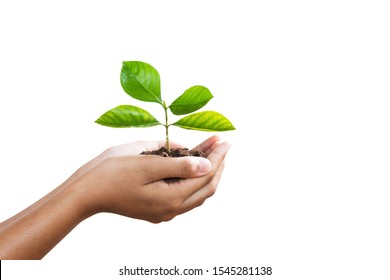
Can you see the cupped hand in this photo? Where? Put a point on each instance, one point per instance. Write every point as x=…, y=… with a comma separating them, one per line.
x=122, y=181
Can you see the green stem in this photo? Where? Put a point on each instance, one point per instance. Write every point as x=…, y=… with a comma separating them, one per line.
x=167, y=145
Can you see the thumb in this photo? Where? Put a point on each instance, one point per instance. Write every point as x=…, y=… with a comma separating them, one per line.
x=182, y=167
x=193, y=167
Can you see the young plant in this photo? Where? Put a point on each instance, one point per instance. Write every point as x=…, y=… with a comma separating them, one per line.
x=141, y=81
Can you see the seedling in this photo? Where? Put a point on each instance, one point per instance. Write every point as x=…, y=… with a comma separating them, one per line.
x=142, y=81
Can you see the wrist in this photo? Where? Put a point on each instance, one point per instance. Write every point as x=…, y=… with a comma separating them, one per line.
x=77, y=195
x=86, y=192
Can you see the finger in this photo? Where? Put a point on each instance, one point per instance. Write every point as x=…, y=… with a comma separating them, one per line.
x=159, y=168
x=186, y=188
x=205, y=145
x=218, y=153
x=199, y=197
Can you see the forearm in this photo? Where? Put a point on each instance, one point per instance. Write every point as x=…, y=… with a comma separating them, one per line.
x=30, y=208
x=33, y=234
x=47, y=197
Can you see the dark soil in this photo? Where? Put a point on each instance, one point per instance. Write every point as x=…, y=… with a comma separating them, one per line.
x=177, y=152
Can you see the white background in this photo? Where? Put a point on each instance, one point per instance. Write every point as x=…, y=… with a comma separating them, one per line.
x=306, y=83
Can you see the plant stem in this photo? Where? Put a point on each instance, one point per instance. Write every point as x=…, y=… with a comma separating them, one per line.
x=167, y=145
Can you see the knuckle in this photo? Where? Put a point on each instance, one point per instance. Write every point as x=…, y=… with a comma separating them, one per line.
x=212, y=189
x=187, y=167
x=167, y=218
x=200, y=202
x=171, y=209
x=173, y=205
x=156, y=220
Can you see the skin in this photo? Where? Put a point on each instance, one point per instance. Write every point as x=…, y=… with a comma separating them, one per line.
x=118, y=181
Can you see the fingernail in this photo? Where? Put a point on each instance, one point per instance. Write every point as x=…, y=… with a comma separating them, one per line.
x=204, y=165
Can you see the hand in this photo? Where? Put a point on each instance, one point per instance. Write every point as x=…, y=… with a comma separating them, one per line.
x=120, y=181
x=123, y=182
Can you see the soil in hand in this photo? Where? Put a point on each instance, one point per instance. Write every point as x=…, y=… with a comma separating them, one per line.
x=177, y=152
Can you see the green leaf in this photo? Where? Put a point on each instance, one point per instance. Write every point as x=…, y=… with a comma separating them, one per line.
x=191, y=100
x=206, y=121
x=141, y=81
x=127, y=116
